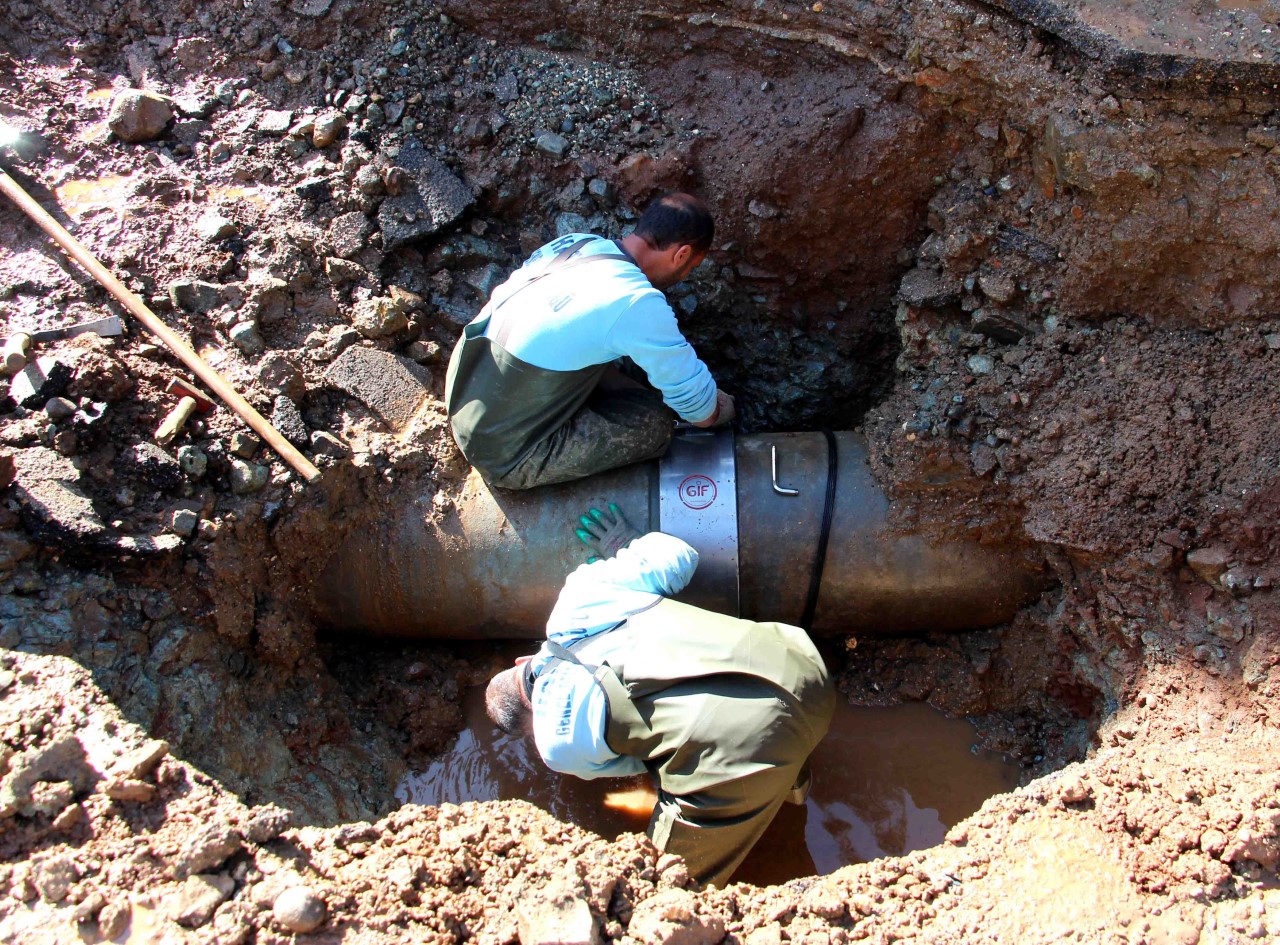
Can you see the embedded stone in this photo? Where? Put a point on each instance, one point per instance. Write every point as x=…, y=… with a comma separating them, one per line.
x=247, y=338
x=1208, y=563
x=137, y=115
x=927, y=287
x=286, y=418
x=298, y=909
x=193, y=295
x=212, y=225
x=196, y=900
x=328, y=126
x=377, y=318
x=207, y=850
x=349, y=233
x=556, y=915
x=247, y=477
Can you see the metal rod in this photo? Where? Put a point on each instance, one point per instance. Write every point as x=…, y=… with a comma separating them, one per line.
x=781, y=490
x=216, y=382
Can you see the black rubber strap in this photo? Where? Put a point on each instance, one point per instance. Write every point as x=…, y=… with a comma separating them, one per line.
x=828, y=508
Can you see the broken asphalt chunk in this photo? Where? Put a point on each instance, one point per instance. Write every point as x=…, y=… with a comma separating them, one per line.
x=391, y=386
x=433, y=199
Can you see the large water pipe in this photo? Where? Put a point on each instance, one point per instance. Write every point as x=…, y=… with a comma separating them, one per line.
x=491, y=566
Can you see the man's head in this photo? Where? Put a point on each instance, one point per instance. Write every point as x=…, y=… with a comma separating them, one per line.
x=505, y=701
x=671, y=237
x=677, y=218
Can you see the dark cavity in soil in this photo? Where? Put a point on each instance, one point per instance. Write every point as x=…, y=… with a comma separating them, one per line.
x=886, y=781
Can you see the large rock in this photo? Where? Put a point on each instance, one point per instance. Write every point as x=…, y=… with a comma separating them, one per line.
x=138, y=116
x=673, y=918
x=391, y=386
x=56, y=510
x=556, y=915
x=432, y=198
x=47, y=487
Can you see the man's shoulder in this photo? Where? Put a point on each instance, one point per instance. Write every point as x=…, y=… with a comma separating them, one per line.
x=594, y=243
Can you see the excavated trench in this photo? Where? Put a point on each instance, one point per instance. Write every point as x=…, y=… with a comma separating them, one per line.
x=1020, y=255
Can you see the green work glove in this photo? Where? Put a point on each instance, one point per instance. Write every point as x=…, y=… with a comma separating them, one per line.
x=605, y=532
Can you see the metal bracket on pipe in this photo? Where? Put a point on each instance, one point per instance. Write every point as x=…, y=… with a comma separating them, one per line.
x=781, y=490
x=698, y=501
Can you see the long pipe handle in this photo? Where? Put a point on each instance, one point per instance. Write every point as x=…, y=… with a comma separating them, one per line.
x=216, y=382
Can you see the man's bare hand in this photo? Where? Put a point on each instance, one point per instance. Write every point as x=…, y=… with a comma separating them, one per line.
x=724, y=413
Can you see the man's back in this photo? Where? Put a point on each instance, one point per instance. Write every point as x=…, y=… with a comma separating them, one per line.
x=529, y=361
x=722, y=712
x=530, y=394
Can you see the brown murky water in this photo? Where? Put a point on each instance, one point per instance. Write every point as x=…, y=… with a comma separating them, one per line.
x=886, y=781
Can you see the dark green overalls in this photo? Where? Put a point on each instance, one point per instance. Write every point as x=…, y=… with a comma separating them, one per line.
x=724, y=713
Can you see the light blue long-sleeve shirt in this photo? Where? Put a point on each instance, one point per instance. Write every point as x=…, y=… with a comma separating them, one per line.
x=570, y=710
x=599, y=312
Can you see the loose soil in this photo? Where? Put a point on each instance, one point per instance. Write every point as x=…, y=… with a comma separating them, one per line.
x=1039, y=279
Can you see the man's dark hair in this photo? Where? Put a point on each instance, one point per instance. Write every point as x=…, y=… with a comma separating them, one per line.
x=677, y=218
x=503, y=704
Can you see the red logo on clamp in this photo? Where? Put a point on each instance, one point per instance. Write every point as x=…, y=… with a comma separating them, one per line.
x=697, y=492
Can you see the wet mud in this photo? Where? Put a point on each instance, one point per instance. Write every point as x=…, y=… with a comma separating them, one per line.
x=886, y=782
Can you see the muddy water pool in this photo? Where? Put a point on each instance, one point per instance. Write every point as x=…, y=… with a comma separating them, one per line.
x=886, y=781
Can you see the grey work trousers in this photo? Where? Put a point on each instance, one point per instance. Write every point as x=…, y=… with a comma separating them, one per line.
x=614, y=428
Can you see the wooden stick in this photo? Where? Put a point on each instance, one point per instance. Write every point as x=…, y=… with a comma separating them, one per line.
x=215, y=381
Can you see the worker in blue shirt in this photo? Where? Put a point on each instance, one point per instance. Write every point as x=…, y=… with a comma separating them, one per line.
x=533, y=392
x=723, y=713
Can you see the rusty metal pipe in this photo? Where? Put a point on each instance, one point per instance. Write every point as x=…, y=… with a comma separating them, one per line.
x=492, y=567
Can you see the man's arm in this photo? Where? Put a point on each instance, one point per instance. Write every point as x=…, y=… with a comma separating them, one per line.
x=649, y=335
x=570, y=709
x=601, y=594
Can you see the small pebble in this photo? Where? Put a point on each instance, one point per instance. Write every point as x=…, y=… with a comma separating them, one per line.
x=59, y=408
x=183, y=522
x=298, y=909
x=244, y=444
